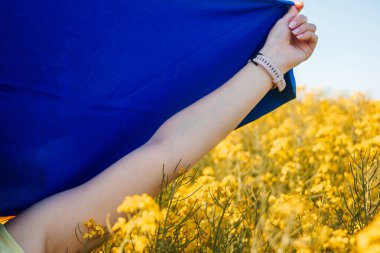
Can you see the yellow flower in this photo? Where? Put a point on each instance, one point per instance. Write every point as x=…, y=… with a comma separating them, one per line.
x=140, y=242
x=284, y=175
x=368, y=240
x=94, y=229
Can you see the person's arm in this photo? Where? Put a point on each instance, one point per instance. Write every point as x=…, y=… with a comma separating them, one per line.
x=49, y=225
x=187, y=135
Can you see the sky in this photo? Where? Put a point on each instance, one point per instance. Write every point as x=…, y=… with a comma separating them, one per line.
x=347, y=56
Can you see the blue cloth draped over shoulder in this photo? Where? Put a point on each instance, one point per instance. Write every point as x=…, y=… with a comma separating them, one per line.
x=83, y=83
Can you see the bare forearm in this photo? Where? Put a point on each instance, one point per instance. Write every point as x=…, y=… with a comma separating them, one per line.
x=187, y=135
x=195, y=130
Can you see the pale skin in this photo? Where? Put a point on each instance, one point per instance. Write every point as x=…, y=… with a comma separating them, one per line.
x=49, y=225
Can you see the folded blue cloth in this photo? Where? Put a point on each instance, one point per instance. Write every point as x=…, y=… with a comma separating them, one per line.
x=83, y=83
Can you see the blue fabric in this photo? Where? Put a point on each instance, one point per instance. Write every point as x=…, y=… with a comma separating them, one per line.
x=83, y=83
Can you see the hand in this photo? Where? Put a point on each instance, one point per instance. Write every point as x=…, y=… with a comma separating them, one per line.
x=288, y=46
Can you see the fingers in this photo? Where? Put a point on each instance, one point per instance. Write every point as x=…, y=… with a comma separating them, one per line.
x=303, y=30
x=292, y=12
x=309, y=36
x=304, y=27
x=298, y=24
x=297, y=20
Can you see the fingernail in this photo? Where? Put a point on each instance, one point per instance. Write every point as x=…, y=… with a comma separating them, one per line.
x=292, y=24
x=300, y=36
x=295, y=31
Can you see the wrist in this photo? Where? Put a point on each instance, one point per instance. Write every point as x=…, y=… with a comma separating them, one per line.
x=276, y=59
x=265, y=75
x=276, y=73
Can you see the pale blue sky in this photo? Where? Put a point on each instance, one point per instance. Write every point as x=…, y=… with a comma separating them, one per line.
x=347, y=57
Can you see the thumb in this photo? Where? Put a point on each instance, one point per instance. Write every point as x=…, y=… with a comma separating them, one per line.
x=292, y=12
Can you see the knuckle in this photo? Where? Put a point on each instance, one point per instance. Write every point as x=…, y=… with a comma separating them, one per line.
x=307, y=34
x=303, y=27
x=314, y=27
x=303, y=18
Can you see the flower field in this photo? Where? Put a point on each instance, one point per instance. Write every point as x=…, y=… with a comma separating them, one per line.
x=303, y=178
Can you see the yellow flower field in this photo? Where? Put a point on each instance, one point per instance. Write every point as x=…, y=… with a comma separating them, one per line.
x=303, y=178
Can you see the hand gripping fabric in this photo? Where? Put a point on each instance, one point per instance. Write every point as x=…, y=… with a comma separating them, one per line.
x=83, y=83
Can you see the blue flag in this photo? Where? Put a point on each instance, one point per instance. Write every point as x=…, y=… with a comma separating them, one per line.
x=83, y=83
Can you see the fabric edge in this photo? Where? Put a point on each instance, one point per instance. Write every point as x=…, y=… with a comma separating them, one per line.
x=8, y=242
